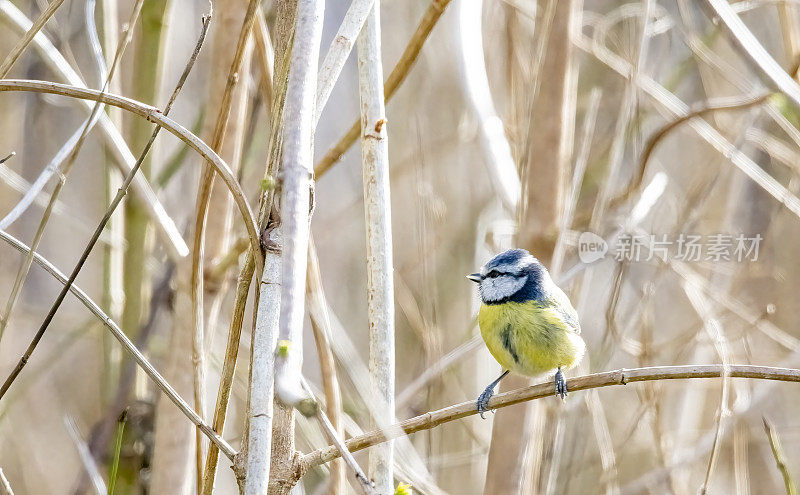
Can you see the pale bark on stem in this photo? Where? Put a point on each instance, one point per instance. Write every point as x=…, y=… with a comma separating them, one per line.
x=253, y=474
x=438, y=417
x=296, y=168
x=126, y=343
x=377, y=206
x=155, y=116
x=262, y=373
x=321, y=326
x=123, y=157
x=339, y=50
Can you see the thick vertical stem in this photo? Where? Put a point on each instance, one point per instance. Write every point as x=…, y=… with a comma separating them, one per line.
x=262, y=375
x=296, y=167
x=377, y=205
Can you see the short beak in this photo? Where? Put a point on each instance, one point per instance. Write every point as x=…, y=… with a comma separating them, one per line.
x=475, y=277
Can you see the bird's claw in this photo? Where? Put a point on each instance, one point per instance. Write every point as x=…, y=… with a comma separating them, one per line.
x=561, y=385
x=483, y=401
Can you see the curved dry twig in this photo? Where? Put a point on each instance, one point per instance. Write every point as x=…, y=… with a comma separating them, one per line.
x=655, y=138
x=155, y=116
x=432, y=419
x=126, y=343
x=121, y=154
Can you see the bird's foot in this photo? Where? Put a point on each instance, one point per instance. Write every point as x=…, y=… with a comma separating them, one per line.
x=483, y=400
x=561, y=385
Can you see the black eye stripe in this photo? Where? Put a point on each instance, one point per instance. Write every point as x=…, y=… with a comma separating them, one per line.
x=495, y=273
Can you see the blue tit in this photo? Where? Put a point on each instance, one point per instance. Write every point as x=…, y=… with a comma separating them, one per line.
x=526, y=321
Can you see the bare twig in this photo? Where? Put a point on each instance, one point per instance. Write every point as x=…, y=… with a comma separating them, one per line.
x=126, y=343
x=757, y=55
x=321, y=326
x=339, y=50
x=262, y=372
x=70, y=154
x=38, y=24
x=780, y=457
x=88, y=461
x=672, y=104
x=198, y=251
x=367, y=486
x=435, y=418
x=155, y=116
x=656, y=138
x=120, y=151
x=110, y=210
x=395, y=79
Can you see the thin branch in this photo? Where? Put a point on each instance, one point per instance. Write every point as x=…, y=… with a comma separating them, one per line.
x=265, y=55
x=339, y=50
x=69, y=154
x=395, y=79
x=655, y=139
x=321, y=327
x=123, y=157
x=89, y=464
x=203, y=203
x=109, y=211
x=12, y=57
x=155, y=116
x=367, y=486
x=780, y=457
x=126, y=343
x=758, y=56
x=676, y=107
x=435, y=418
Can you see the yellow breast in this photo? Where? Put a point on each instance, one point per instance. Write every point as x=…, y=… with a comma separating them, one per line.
x=528, y=338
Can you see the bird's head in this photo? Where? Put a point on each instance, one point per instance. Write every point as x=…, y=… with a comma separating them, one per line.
x=513, y=275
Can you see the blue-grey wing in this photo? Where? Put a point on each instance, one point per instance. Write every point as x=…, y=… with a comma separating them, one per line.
x=561, y=303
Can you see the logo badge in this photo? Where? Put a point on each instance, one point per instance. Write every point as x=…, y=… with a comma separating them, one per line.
x=591, y=247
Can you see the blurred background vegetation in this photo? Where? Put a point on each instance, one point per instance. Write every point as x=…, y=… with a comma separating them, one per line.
x=522, y=123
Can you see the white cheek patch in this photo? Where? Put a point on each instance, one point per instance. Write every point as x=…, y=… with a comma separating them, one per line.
x=498, y=288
